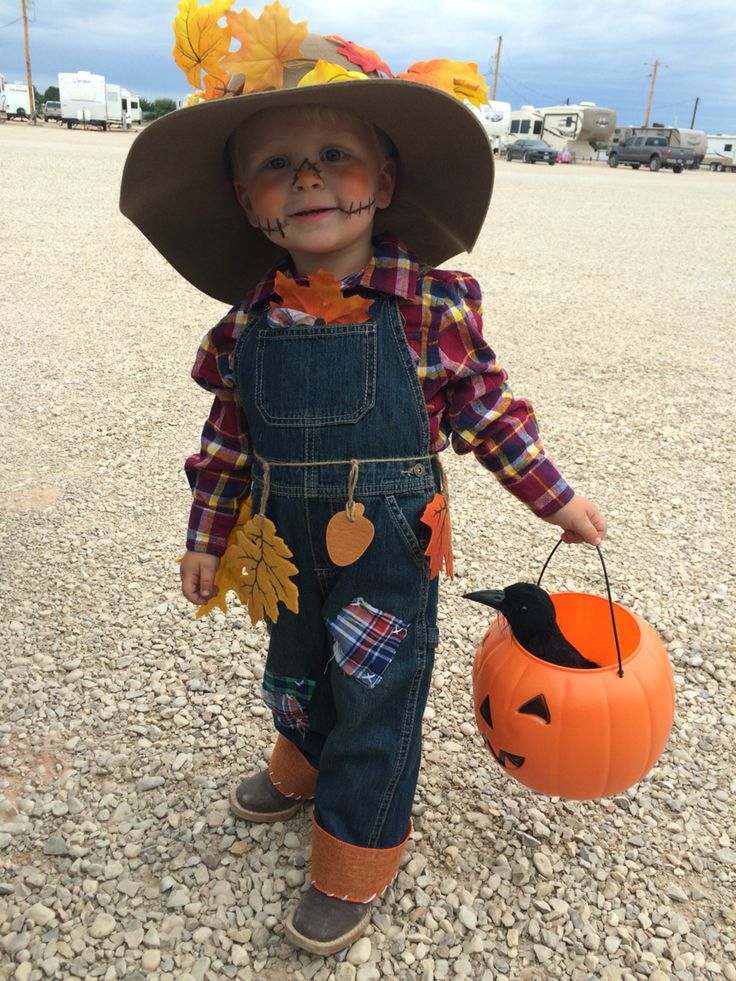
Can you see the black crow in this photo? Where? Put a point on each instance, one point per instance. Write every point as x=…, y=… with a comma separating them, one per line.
x=531, y=615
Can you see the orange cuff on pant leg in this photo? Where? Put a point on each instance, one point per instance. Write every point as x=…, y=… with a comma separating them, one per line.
x=349, y=871
x=289, y=770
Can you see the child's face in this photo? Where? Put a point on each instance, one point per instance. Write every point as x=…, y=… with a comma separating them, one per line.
x=312, y=186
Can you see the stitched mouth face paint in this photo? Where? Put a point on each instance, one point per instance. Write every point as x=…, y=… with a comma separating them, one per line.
x=356, y=209
x=277, y=228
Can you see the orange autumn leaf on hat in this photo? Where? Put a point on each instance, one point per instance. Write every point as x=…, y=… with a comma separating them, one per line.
x=267, y=43
x=321, y=298
x=200, y=42
x=459, y=78
x=364, y=58
x=436, y=516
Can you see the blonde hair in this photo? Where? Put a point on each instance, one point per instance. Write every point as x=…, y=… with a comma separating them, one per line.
x=238, y=143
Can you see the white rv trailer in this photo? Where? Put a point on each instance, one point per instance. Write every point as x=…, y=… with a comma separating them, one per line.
x=113, y=104
x=83, y=98
x=721, y=153
x=3, y=107
x=496, y=119
x=581, y=128
x=131, y=106
x=689, y=139
x=14, y=100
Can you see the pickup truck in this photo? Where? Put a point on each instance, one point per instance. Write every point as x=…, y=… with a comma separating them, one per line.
x=654, y=151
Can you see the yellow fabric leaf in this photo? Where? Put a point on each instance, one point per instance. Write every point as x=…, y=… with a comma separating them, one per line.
x=265, y=558
x=267, y=43
x=325, y=71
x=229, y=576
x=200, y=42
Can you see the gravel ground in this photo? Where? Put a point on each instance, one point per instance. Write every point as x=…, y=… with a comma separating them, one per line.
x=610, y=297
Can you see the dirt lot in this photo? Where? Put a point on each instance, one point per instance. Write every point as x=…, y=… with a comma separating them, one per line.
x=610, y=298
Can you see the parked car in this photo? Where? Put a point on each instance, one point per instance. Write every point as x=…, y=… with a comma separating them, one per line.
x=51, y=110
x=530, y=151
x=565, y=157
x=654, y=151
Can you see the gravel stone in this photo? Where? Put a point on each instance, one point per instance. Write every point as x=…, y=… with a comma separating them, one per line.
x=102, y=926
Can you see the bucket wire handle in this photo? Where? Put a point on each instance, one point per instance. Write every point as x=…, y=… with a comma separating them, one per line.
x=610, y=598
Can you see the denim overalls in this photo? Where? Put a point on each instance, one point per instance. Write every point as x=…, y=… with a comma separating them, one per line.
x=347, y=677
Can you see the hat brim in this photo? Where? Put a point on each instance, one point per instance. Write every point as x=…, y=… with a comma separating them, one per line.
x=177, y=188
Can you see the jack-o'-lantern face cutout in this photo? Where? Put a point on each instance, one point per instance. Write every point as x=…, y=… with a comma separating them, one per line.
x=536, y=706
x=569, y=732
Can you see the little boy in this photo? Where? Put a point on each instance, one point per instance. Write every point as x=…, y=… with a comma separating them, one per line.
x=310, y=415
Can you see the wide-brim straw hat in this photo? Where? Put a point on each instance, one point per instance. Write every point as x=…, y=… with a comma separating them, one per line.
x=177, y=183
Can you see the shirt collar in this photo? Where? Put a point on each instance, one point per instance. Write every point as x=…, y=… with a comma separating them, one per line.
x=392, y=269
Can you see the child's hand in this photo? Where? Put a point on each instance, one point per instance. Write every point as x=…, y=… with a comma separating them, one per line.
x=197, y=571
x=580, y=520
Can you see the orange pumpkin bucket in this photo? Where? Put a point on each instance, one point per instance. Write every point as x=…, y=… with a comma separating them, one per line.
x=571, y=732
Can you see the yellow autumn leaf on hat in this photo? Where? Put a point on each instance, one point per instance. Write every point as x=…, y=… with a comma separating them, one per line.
x=267, y=43
x=325, y=71
x=468, y=83
x=200, y=42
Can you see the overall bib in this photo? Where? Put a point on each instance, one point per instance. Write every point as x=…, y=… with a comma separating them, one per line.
x=347, y=677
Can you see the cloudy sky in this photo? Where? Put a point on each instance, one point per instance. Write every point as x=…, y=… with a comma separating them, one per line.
x=600, y=52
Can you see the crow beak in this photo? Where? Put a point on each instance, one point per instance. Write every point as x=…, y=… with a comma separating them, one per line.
x=489, y=597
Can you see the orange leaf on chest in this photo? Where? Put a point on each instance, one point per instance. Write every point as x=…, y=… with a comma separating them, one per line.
x=321, y=298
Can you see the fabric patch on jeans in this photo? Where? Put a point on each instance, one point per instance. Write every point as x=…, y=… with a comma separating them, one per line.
x=287, y=698
x=365, y=640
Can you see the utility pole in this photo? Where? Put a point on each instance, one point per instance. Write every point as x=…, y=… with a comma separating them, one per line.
x=655, y=66
x=695, y=111
x=495, y=71
x=31, y=99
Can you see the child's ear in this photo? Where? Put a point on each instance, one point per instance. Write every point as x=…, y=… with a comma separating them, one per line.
x=241, y=193
x=386, y=184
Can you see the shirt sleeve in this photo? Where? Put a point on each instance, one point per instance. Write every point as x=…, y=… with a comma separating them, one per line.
x=482, y=414
x=219, y=474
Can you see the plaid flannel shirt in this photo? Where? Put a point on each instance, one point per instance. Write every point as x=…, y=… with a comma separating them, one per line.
x=469, y=402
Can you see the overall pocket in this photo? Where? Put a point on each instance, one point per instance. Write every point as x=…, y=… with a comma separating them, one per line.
x=315, y=376
x=405, y=520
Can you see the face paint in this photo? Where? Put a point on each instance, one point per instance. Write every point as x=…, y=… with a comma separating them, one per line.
x=355, y=182
x=313, y=186
x=268, y=198
x=307, y=177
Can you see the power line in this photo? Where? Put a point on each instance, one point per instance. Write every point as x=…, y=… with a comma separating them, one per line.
x=30, y=13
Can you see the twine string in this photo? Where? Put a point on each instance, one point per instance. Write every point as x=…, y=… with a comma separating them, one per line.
x=352, y=482
x=266, y=487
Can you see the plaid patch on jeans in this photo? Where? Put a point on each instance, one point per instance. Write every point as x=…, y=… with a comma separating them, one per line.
x=365, y=640
x=287, y=698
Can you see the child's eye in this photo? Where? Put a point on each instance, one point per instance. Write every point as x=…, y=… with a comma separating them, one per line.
x=332, y=155
x=277, y=163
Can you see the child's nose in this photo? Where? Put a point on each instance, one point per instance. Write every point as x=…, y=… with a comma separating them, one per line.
x=307, y=177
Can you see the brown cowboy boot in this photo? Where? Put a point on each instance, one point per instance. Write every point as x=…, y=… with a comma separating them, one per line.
x=323, y=924
x=256, y=799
